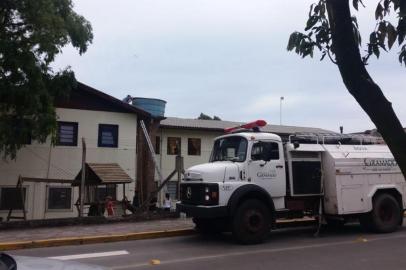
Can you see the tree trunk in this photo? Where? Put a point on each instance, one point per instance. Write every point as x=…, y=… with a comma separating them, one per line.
x=361, y=86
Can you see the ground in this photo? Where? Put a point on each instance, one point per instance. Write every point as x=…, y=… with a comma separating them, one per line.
x=347, y=248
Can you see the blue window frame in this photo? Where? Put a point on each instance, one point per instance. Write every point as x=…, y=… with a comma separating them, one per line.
x=67, y=134
x=108, y=135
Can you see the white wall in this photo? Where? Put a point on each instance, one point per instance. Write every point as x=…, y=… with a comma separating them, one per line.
x=64, y=162
x=167, y=162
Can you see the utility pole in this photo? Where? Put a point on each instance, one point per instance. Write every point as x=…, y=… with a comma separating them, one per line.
x=280, y=110
x=82, y=180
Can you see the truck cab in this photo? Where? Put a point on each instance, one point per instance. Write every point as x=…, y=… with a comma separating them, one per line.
x=236, y=160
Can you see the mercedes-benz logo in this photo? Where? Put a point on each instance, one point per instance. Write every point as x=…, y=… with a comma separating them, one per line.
x=189, y=192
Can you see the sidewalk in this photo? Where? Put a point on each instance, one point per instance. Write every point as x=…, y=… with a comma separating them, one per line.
x=81, y=234
x=21, y=238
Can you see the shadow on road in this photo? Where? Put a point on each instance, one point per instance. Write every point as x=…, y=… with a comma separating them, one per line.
x=352, y=230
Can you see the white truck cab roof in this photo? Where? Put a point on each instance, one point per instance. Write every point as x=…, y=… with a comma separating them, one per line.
x=252, y=136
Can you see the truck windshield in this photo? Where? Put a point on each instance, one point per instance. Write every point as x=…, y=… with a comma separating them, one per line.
x=229, y=149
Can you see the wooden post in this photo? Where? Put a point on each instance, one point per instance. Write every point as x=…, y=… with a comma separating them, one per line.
x=124, y=191
x=82, y=180
x=179, y=170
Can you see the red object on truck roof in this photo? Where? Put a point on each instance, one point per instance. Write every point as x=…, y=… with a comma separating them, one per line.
x=251, y=125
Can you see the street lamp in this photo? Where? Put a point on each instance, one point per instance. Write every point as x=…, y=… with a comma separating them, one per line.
x=280, y=110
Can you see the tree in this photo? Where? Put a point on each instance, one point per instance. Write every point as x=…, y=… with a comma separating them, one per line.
x=203, y=116
x=333, y=31
x=32, y=33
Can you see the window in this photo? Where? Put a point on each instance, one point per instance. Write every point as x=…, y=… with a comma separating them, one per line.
x=157, y=145
x=265, y=151
x=59, y=198
x=10, y=197
x=67, y=134
x=194, y=146
x=108, y=135
x=230, y=149
x=174, y=146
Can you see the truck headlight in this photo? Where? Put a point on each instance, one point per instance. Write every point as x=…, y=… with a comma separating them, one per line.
x=211, y=193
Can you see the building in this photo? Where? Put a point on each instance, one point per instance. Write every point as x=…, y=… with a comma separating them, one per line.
x=114, y=141
x=109, y=128
x=196, y=137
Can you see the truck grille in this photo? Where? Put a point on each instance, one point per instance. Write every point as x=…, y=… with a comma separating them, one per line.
x=195, y=194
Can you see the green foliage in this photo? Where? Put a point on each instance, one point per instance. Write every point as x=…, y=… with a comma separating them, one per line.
x=32, y=33
x=318, y=35
x=203, y=116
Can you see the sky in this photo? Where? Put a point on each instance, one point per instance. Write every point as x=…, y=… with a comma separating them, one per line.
x=226, y=58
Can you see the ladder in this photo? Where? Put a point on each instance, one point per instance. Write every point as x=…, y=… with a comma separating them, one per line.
x=152, y=151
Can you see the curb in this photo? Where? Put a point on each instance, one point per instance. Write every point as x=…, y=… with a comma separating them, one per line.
x=128, y=237
x=93, y=239
x=55, y=242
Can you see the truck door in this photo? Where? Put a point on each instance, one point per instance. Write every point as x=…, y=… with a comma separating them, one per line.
x=266, y=167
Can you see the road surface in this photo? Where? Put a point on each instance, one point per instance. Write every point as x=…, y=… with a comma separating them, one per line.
x=298, y=248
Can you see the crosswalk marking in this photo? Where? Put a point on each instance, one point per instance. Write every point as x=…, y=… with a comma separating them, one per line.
x=90, y=255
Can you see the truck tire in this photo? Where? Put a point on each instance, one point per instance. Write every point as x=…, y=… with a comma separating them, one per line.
x=210, y=225
x=385, y=216
x=251, y=222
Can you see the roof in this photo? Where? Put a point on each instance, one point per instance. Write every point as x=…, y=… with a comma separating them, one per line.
x=88, y=98
x=102, y=174
x=213, y=125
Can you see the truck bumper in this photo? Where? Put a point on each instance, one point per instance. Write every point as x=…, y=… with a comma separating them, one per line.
x=201, y=211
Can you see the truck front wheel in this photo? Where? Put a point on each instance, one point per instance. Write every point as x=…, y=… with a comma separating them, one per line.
x=385, y=216
x=251, y=222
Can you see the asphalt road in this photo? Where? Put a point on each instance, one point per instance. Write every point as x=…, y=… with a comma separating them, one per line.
x=348, y=248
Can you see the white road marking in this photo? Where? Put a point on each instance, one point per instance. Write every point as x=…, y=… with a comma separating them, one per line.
x=90, y=255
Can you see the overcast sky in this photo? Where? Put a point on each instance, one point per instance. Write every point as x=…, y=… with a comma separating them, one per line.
x=226, y=58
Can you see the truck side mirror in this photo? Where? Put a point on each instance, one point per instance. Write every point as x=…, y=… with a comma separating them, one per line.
x=296, y=145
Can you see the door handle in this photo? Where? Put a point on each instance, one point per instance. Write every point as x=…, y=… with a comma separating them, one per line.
x=279, y=166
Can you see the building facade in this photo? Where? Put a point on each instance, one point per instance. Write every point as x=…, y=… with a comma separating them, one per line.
x=108, y=127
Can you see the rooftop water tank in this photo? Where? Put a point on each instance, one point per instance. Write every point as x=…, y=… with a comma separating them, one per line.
x=156, y=107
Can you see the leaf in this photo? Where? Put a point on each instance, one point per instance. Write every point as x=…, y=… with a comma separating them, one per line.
x=375, y=50
x=379, y=12
x=311, y=22
x=355, y=4
x=386, y=5
x=373, y=38
x=402, y=55
x=382, y=27
x=392, y=34
x=323, y=55
x=401, y=29
x=292, y=41
x=311, y=10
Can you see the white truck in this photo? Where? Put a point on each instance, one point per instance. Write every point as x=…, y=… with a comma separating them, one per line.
x=253, y=178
